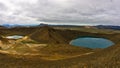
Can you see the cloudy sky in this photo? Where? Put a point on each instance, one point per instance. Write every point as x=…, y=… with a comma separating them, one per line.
x=90, y=12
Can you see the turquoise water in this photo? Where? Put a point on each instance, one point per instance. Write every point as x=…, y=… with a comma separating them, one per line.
x=92, y=42
x=14, y=37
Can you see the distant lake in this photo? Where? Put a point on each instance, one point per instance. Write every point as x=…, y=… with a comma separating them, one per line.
x=92, y=42
x=14, y=37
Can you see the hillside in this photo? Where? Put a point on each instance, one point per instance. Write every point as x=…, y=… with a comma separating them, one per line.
x=48, y=35
x=4, y=40
x=45, y=47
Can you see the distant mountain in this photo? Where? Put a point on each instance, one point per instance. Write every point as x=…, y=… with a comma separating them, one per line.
x=108, y=27
x=10, y=25
x=57, y=25
x=17, y=25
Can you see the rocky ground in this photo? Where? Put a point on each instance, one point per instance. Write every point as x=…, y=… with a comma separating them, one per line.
x=49, y=48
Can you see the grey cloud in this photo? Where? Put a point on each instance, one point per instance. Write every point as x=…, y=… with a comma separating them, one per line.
x=67, y=11
x=3, y=7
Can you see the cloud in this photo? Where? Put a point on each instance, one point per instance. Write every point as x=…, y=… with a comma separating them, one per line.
x=60, y=11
